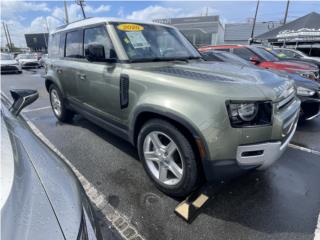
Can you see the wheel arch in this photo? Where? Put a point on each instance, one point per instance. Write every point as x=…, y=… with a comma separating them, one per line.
x=188, y=129
x=49, y=81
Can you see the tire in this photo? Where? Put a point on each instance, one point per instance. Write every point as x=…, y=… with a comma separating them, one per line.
x=184, y=158
x=64, y=114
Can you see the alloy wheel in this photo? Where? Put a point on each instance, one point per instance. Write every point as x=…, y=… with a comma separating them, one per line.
x=163, y=158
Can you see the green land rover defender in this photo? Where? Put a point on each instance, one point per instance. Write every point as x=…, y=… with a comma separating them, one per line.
x=191, y=120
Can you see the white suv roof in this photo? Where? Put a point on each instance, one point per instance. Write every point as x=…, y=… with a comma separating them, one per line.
x=97, y=20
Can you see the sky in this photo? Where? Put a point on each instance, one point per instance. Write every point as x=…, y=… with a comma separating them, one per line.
x=31, y=16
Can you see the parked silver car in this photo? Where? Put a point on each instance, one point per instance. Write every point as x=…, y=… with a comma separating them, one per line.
x=40, y=196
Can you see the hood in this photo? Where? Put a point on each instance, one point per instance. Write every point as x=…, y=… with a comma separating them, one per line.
x=317, y=59
x=27, y=60
x=8, y=62
x=292, y=66
x=222, y=74
x=26, y=212
x=304, y=82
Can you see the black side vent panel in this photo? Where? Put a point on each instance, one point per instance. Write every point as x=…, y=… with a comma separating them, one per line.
x=124, y=91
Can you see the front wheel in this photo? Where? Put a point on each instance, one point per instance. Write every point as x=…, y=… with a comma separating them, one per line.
x=58, y=105
x=168, y=158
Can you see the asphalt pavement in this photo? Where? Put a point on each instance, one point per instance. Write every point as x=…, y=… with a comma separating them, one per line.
x=280, y=203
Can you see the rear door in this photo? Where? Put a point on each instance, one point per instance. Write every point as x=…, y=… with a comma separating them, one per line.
x=72, y=46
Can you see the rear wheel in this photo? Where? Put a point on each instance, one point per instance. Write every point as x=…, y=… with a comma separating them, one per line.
x=168, y=158
x=58, y=105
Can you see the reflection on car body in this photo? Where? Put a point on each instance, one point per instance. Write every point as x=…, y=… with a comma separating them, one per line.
x=40, y=196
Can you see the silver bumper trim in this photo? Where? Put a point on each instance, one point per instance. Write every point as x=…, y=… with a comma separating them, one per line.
x=269, y=152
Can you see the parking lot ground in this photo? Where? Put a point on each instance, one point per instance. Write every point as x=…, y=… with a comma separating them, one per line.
x=280, y=203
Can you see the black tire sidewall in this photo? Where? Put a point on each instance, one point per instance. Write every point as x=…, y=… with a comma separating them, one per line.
x=65, y=113
x=190, y=173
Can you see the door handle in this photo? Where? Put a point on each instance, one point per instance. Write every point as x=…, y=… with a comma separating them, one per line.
x=82, y=77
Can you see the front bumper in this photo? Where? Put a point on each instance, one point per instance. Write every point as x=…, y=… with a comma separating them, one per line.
x=264, y=154
x=10, y=68
x=30, y=65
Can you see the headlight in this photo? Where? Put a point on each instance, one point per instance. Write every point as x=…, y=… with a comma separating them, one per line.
x=301, y=91
x=245, y=114
x=246, y=111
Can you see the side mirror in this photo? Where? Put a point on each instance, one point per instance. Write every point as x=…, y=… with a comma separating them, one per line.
x=96, y=53
x=254, y=60
x=22, y=98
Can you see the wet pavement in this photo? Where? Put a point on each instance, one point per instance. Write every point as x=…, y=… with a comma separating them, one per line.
x=280, y=203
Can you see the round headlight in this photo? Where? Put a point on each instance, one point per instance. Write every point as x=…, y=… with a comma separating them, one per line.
x=247, y=111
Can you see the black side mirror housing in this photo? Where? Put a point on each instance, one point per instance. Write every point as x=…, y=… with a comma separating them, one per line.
x=254, y=60
x=95, y=52
x=22, y=98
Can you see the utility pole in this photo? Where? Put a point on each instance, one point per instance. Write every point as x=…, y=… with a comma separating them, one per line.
x=286, y=13
x=11, y=45
x=254, y=20
x=5, y=32
x=82, y=4
x=66, y=12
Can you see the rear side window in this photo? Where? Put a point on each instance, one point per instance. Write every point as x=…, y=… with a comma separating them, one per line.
x=99, y=35
x=54, y=45
x=244, y=53
x=74, y=47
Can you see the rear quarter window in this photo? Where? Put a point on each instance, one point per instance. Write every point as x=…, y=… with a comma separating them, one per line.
x=54, y=42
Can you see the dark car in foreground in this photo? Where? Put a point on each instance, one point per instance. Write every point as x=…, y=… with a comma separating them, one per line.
x=265, y=59
x=40, y=196
x=307, y=90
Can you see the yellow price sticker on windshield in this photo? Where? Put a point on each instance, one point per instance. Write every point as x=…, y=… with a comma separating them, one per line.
x=130, y=27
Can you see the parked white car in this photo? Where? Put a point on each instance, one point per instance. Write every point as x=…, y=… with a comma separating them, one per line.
x=293, y=53
x=9, y=64
x=28, y=61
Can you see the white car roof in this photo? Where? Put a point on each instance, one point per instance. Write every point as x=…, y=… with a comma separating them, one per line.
x=97, y=20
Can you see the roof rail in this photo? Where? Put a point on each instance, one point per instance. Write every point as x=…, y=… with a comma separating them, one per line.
x=64, y=25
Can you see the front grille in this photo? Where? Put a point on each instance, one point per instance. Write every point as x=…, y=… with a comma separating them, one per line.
x=9, y=68
x=286, y=102
x=32, y=64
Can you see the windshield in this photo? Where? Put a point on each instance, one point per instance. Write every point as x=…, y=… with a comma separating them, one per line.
x=6, y=57
x=232, y=58
x=27, y=56
x=147, y=42
x=267, y=56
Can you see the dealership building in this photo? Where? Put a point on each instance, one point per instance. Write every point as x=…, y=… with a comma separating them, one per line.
x=37, y=42
x=205, y=30
x=209, y=30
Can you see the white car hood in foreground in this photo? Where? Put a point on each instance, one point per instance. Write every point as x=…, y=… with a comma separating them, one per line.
x=28, y=61
x=8, y=62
